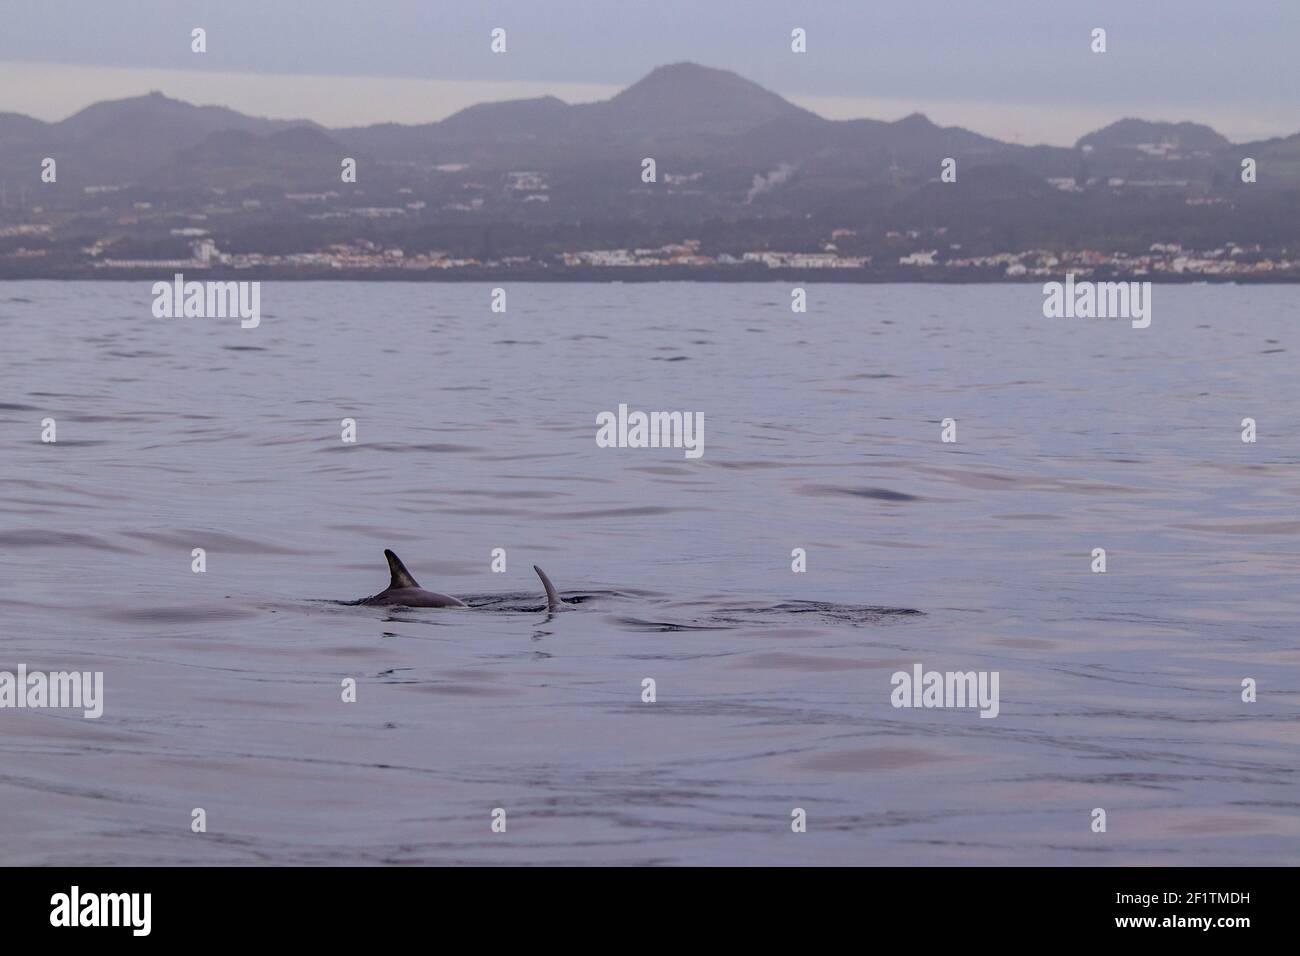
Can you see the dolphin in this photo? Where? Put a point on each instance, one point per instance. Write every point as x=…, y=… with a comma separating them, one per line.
x=404, y=591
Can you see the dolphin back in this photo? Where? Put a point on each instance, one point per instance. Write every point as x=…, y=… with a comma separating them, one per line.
x=399, y=577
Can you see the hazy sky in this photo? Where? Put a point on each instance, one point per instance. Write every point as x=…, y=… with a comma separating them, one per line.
x=1018, y=69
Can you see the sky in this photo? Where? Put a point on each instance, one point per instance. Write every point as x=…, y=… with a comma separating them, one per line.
x=1021, y=70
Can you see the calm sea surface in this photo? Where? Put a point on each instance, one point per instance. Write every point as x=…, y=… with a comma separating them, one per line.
x=477, y=431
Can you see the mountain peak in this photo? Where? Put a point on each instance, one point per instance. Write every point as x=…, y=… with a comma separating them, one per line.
x=689, y=97
x=917, y=120
x=688, y=77
x=1136, y=134
x=687, y=69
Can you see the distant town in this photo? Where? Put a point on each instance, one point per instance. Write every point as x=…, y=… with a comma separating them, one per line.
x=941, y=262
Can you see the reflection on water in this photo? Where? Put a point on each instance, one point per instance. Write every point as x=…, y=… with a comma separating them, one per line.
x=476, y=431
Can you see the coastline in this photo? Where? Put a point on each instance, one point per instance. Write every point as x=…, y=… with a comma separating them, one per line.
x=614, y=274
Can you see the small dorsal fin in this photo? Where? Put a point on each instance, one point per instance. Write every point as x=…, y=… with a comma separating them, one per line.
x=552, y=598
x=401, y=578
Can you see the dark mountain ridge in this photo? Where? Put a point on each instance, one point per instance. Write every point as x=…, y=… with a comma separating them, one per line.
x=683, y=110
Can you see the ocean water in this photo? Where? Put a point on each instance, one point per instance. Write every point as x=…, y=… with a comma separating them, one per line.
x=476, y=431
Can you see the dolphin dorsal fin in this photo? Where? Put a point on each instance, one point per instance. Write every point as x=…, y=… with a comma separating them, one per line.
x=552, y=598
x=401, y=578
